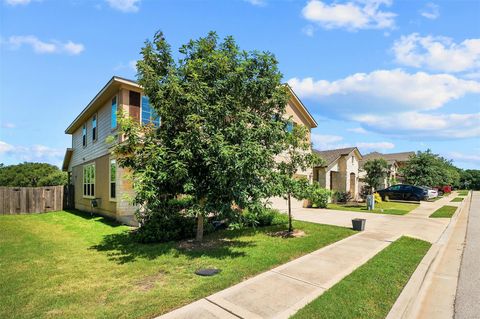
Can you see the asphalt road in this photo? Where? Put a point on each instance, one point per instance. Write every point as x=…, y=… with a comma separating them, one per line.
x=467, y=302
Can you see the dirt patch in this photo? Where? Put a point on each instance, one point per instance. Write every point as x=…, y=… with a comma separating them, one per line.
x=286, y=234
x=206, y=244
x=148, y=283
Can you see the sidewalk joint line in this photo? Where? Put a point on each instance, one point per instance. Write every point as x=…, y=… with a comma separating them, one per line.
x=301, y=280
x=227, y=310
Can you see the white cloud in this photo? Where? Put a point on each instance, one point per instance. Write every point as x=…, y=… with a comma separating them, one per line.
x=461, y=157
x=375, y=146
x=431, y=11
x=8, y=125
x=354, y=15
x=308, y=30
x=17, y=2
x=415, y=124
x=124, y=5
x=437, y=53
x=326, y=142
x=358, y=130
x=34, y=153
x=43, y=47
x=259, y=3
x=386, y=91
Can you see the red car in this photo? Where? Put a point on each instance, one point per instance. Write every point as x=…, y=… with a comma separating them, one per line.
x=444, y=189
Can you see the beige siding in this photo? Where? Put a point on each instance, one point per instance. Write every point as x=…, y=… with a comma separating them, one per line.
x=99, y=147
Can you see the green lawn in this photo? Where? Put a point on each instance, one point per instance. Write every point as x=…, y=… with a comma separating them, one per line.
x=392, y=208
x=371, y=290
x=463, y=193
x=457, y=199
x=444, y=212
x=69, y=265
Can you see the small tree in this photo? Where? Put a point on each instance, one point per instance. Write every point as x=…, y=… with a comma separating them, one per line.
x=222, y=125
x=32, y=175
x=297, y=156
x=376, y=172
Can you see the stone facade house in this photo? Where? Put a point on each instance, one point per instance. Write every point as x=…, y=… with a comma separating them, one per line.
x=395, y=162
x=341, y=170
x=92, y=169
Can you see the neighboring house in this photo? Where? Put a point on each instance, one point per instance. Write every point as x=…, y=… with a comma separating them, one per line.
x=93, y=170
x=341, y=170
x=394, y=160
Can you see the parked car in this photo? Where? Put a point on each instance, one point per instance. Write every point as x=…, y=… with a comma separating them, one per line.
x=444, y=189
x=432, y=192
x=404, y=192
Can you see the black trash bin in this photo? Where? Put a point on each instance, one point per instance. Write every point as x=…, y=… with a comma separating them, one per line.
x=358, y=224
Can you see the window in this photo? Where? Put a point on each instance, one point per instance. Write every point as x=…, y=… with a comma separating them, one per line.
x=84, y=135
x=113, y=179
x=148, y=113
x=289, y=127
x=94, y=127
x=114, y=113
x=89, y=180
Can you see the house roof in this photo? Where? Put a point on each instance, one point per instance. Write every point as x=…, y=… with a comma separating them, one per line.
x=112, y=86
x=390, y=158
x=330, y=156
x=116, y=82
x=66, y=159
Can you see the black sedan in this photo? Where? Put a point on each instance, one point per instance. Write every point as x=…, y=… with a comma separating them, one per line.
x=404, y=192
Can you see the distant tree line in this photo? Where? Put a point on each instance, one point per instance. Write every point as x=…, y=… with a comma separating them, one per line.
x=31, y=175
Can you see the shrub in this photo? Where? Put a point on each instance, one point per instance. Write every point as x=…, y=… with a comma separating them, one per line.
x=166, y=227
x=342, y=197
x=377, y=197
x=259, y=218
x=318, y=196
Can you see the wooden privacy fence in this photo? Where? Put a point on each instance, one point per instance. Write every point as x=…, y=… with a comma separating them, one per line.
x=25, y=200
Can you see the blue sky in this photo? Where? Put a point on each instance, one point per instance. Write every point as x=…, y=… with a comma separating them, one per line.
x=382, y=75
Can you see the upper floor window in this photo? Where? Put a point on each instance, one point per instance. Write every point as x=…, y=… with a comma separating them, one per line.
x=148, y=113
x=114, y=113
x=94, y=127
x=84, y=134
x=289, y=127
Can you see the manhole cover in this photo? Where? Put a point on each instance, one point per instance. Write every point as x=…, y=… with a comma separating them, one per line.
x=207, y=272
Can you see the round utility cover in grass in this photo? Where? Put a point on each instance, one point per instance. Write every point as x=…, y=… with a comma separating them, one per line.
x=207, y=272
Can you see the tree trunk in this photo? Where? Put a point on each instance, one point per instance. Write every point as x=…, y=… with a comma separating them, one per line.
x=199, y=236
x=290, y=228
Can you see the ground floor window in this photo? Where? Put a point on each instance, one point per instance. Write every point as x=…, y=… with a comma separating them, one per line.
x=113, y=179
x=89, y=180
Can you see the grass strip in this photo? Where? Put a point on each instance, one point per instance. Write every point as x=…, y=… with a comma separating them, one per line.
x=457, y=199
x=389, y=208
x=444, y=212
x=372, y=289
x=462, y=193
x=73, y=265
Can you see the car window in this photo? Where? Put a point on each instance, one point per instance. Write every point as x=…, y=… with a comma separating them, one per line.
x=394, y=188
x=406, y=188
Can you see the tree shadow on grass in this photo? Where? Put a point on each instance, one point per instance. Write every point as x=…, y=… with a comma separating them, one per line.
x=122, y=247
x=93, y=216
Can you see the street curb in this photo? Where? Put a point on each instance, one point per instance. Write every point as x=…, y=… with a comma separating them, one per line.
x=409, y=302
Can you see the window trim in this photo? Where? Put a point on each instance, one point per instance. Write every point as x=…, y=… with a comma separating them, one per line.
x=84, y=135
x=95, y=136
x=112, y=199
x=94, y=180
x=113, y=128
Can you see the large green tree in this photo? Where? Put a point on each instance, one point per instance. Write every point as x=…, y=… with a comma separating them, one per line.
x=376, y=171
x=223, y=122
x=31, y=175
x=429, y=169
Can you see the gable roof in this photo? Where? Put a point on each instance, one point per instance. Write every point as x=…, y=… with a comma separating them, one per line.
x=330, y=156
x=301, y=107
x=390, y=158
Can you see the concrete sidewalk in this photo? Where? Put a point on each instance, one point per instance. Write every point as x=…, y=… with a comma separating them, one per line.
x=282, y=291
x=467, y=301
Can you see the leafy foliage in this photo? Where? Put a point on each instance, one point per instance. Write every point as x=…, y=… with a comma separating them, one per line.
x=342, y=197
x=429, y=169
x=376, y=172
x=31, y=175
x=318, y=196
x=469, y=179
x=222, y=125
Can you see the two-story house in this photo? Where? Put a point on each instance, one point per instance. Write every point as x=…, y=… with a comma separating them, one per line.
x=93, y=170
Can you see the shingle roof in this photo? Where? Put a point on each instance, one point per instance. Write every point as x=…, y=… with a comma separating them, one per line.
x=331, y=156
x=390, y=158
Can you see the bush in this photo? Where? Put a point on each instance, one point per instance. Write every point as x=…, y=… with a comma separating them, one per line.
x=163, y=228
x=259, y=218
x=318, y=196
x=342, y=197
x=377, y=197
